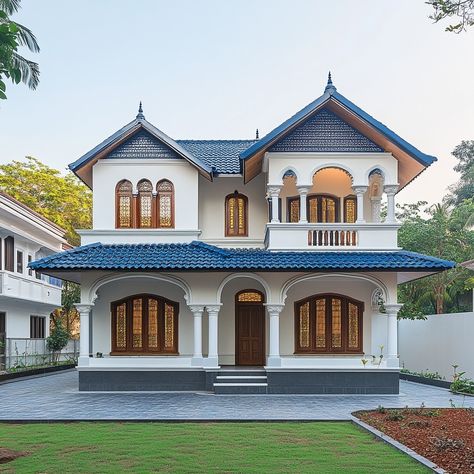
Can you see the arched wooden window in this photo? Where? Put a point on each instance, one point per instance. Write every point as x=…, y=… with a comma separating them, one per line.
x=350, y=209
x=165, y=204
x=249, y=296
x=145, y=324
x=328, y=323
x=123, y=205
x=145, y=204
x=320, y=208
x=236, y=210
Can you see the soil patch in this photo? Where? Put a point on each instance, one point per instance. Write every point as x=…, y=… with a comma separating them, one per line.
x=444, y=436
x=7, y=455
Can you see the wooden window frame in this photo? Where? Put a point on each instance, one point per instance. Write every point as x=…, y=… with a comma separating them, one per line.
x=235, y=232
x=144, y=350
x=37, y=327
x=345, y=300
x=138, y=211
x=157, y=204
x=350, y=197
x=117, y=206
x=319, y=198
x=9, y=243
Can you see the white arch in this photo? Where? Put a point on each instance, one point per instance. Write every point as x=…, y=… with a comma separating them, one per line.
x=233, y=276
x=376, y=167
x=117, y=277
x=285, y=170
x=323, y=166
x=311, y=276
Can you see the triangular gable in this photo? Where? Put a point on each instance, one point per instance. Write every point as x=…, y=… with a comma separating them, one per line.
x=325, y=132
x=143, y=145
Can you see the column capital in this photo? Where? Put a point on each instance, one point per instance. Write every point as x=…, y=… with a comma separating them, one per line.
x=213, y=308
x=274, y=190
x=83, y=308
x=390, y=189
x=302, y=189
x=274, y=308
x=393, y=308
x=196, y=308
x=360, y=189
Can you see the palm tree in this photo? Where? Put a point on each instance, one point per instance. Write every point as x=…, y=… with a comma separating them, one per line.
x=29, y=70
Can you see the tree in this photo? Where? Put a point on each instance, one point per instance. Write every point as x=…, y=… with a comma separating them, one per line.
x=57, y=340
x=461, y=10
x=464, y=188
x=13, y=36
x=63, y=199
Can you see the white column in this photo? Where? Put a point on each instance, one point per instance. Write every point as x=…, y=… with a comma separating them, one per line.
x=392, y=334
x=84, y=349
x=359, y=192
x=274, y=193
x=303, y=190
x=376, y=205
x=274, y=359
x=197, y=351
x=391, y=190
x=212, y=359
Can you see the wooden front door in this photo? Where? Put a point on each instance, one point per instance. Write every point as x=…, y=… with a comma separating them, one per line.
x=250, y=333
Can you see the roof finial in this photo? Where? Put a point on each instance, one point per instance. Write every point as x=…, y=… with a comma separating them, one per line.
x=140, y=111
x=256, y=134
x=329, y=86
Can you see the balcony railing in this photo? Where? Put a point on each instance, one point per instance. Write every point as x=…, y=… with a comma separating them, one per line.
x=337, y=236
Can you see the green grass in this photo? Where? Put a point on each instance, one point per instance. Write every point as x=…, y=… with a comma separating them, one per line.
x=321, y=447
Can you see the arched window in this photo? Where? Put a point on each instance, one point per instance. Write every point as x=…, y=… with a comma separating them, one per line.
x=145, y=204
x=145, y=324
x=123, y=205
x=236, y=209
x=328, y=324
x=165, y=204
x=350, y=209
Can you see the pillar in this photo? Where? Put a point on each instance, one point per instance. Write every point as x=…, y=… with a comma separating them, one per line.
x=197, y=350
x=390, y=190
x=212, y=359
x=84, y=349
x=359, y=192
x=392, y=334
x=376, y=205
x=274, y=359
x=303, y=199
x=274, y=193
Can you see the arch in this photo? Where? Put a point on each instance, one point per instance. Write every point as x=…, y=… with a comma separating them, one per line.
x=165, y=204
x=236, y=215
x=92, y=293
x=249, y=295
x=124, y=204
x=288, y=171
x=299, y=279
x=376, y=169
x=145, y=204
x=233, y=276
x=340, y=166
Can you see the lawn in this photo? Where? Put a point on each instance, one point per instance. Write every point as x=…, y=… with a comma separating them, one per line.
x=199, y=447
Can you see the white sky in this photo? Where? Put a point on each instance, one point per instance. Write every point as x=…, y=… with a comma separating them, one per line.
x=220, y=69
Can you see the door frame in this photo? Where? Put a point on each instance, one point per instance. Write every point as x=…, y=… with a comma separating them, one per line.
x=240, y=304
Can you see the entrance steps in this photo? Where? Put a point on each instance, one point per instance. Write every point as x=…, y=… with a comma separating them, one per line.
x=242, y=382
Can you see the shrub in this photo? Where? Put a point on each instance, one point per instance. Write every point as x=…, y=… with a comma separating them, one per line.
x=57, y=340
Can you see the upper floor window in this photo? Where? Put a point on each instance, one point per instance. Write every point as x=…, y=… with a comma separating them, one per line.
x=19, y=261
x=9, y=253
x=236, y=211
x=124, y=198
x=145, y=204
x=323, y=208
x=350, y=209
x=165, y=204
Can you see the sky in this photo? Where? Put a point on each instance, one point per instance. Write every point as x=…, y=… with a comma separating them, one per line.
x=220, y=69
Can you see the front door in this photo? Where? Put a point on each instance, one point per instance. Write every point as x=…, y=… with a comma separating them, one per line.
x=250, y=333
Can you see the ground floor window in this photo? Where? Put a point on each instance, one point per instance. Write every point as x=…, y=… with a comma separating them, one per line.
x=37, y=327
x=145, y=324
x=328, y=323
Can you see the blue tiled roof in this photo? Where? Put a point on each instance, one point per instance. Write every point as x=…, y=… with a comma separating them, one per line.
x=201, y=256
x=222, y=155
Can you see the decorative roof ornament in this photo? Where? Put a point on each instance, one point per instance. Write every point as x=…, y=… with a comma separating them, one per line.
x=257, y=135
x=140, y=111
x=330, y=86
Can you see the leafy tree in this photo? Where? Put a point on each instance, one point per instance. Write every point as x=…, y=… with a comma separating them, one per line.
x=13, y=36
x=461, y=10
x=57, y=340
x=67, y=315
x=63, y=199
x=464, y=188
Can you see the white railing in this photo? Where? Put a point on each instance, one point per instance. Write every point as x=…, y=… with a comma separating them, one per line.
x=332, y=238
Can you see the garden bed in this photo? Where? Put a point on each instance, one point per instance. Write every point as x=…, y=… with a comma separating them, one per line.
x=444, y=436
x=34, y=371
x=425, y=380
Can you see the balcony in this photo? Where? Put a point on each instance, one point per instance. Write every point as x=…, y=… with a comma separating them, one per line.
x=334, y=236
x=29, y=288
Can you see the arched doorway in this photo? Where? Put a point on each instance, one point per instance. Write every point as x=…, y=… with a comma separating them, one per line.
x=249, y=328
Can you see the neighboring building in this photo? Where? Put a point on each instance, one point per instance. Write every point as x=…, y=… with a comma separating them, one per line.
x=27, y=297
x=268, y=253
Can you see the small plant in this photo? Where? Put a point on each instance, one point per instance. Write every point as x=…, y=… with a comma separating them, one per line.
x=460, y=383
x=395, y=415
x=381, y=409
x=442, y=444
x=99, y=355
x=418, y=424
x=364, y=361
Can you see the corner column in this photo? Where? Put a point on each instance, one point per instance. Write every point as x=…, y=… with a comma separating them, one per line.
x=212, y=359
x=303, y=191
x=274, y=193
x=392, y=334
x=84, y=349
x=391, y=190
x=376, y=206
x=197, y=350
x=359, y=191
x=274, y=359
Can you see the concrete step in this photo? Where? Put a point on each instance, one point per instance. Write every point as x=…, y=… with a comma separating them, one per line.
x=240, y=388
x=242, y=378
x=239, y=373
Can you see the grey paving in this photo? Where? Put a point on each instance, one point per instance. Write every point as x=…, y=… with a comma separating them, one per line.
x=56, y=397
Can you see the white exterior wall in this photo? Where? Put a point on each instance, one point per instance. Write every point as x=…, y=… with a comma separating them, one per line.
x=437, y=343
x=17, y=317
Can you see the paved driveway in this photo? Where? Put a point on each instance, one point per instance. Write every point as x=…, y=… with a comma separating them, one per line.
x=55, y=397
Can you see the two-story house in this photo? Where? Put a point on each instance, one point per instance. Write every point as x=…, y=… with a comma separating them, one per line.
x=27, y=297
x=269, y=255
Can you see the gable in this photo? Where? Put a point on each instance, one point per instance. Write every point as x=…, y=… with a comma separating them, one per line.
x=143, y=145
x=325, y=132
